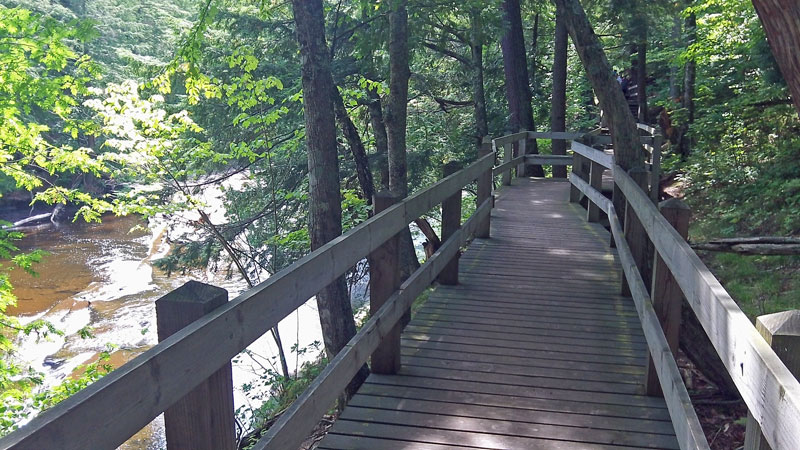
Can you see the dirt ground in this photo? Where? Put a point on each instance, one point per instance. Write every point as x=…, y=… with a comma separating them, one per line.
x=723, y=420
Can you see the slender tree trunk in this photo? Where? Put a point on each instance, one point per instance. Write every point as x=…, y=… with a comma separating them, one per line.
x=325, y=213
x=641, y=71
x=396, y=108
x=687, y=101
x=478, y=93
x=210, y=226
x=781, y=21
x=396, y=120
x=674, y=70
x=558, y=111
x=381, y=139
x=356, y=147
x=534, y=82
x=515, y=67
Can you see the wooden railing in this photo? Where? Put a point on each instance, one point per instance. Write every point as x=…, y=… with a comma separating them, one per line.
x=108, y=412
x=770, y=390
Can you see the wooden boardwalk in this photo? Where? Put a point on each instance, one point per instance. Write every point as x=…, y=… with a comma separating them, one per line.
x=535, y=348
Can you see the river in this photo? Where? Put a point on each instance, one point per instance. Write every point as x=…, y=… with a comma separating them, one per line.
x=100, y=275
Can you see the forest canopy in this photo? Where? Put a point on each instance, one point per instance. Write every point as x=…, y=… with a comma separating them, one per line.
x=141, y=107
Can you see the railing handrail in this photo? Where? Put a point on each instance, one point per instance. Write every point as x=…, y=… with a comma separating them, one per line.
x=565, y=136
x=127, y=399
x=294, y=425
x=768, y=388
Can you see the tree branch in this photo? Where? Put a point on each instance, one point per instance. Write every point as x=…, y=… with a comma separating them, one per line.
x=464, y=60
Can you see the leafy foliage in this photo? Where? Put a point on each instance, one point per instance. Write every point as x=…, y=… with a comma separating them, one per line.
x=201, y=97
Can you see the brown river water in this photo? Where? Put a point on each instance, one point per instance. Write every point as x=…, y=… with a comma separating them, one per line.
x=99, y=275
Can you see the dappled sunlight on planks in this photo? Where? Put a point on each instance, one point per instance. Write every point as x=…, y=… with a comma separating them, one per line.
x=535, y=348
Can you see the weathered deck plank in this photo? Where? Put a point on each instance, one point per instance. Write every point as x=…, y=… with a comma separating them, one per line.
x=533, y=349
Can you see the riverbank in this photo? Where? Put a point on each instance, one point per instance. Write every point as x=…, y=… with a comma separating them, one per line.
x=100, y=276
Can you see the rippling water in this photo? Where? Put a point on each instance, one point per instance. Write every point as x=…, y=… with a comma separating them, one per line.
x=99, y=275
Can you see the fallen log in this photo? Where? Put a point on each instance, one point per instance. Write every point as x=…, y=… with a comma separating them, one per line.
x=698, y=348
x=763, y=245
x=433, y=242
x=29, y=220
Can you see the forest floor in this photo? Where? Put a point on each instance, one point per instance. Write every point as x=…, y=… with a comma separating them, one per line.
x=723, y=420
x=759, y=285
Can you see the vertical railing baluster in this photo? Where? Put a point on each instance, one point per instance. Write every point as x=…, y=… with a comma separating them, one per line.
x=384, y=280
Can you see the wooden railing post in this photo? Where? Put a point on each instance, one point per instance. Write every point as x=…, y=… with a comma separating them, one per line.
x=666, y=295
x=655, y=168
x=507, y=156
x=451, y=222
x=484, y=189
x=782, y=332
x=595, y=181
x=522, y=148
x=204, y=418
x=577, y=168
x=635, y=234
x=581, y=168
x=384, y=280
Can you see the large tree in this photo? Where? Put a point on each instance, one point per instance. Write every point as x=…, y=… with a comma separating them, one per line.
x=558, y=110
x=628, y=153
x=684, y=139
x=781, y=20
x=518, y=91
x=397, y=105
x=325, y=208
x=396, y=119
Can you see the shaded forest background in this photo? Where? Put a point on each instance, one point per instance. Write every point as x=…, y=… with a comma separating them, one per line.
x=104, y=99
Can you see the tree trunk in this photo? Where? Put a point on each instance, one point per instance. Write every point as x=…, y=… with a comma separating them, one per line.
x=698, y=348
x=641, y=70
x=674, y=70
x=558, y=110
x=478, y=93
x=534, y=81
x=381, y=140
x=396, y=108
x=325, y=208
x=628, y=152
x=396, y=120
x=515, y=67
x=781, y=21
x=687, y=101
x=356, y=147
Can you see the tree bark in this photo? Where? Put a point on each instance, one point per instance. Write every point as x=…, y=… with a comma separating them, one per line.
x=641, y=70
x=515, y=67
x=478, y=93
x=356, y=147
x=628, y=153
x=698, y=348
x=781, y=21
x=325, y=208
x=687, y=101
x=396, y=108
x=558, y=110
x=396, y=120
x=762, y=245
x=381, y=139
x=674, y=72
